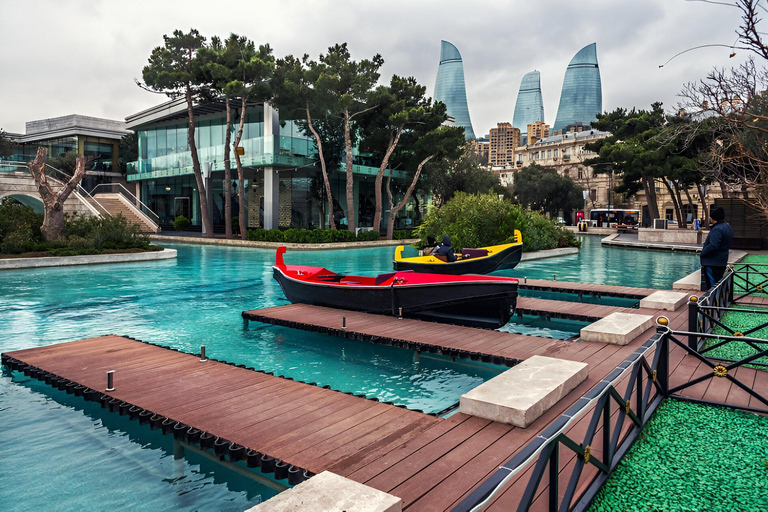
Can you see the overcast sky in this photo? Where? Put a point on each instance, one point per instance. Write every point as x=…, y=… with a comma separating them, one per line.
x=62, y=57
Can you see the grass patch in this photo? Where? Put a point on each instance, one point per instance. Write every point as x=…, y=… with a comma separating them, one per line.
x=692, y=457
x=739, y=322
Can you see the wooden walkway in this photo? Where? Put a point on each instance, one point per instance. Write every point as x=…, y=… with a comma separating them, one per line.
x=572, y=310
x=598, y=290
x=432, y=464
x=453, y=340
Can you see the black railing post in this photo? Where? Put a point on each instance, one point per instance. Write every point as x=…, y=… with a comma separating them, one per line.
x=662, y=371
x=607, y=451
x=554, y=476
x=693, y=322
x=731, y=285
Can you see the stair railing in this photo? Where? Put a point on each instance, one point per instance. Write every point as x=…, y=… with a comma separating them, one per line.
x=143, y=208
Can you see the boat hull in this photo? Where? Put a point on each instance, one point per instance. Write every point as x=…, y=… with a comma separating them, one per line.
x=481, y=303
x=505, y=259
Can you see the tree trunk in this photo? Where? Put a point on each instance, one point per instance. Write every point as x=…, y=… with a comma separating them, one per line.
x=227, y=174
x=675, y=204
x=395, y=209
x=682, y=222
x=650, y=194
x=240, y=179
x=380, y=177
x=351, y=213
x=53, y=202
x=331, y=220
x=207, y=224
x=704, y=210
x=690, y=203
x=723, y=189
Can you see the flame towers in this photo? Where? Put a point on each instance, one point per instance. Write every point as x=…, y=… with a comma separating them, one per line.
x=450, y=88
x=529, y=107
x=582, y=97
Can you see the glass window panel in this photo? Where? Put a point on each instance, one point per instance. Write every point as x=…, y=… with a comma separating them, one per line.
x=151, y=144
x=205, y=134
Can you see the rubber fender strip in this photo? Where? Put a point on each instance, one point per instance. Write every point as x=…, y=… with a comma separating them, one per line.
x=70, y=387
x=295, y=475
x=236, y=452
x=281, y=470
x=124, y=408
x=145, y=416
x=156, y=421
x=221, y=447
x=180, y=431
x=167, y=425
x=268, y=464
x=134, y=412
x=193, y=435
x=207, y=440
x=114, y=404
x=80, y=390
x=104, y=399
x=253, y=458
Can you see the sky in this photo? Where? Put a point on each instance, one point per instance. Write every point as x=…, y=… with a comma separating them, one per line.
x=60, y=57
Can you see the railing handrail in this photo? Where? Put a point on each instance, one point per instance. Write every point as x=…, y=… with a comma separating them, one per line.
x=133, y=198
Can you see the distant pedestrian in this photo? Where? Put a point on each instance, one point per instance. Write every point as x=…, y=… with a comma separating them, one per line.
x=714, y=253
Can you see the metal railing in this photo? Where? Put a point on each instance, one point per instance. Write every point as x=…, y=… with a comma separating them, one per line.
x=118, y=188
x=632, y=391
x=61, y=177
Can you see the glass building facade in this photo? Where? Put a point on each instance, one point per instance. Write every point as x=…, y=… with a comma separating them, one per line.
x=581, y=98
x=529, y=107
x=450, y=88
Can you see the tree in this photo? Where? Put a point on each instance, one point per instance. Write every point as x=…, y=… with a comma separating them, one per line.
x=463, y=174
x=53, y=200
x=172, y=70
x=442, y=142
x=401, y=106
x=295, y=95
x=129, y=151
x=236, y=69
x=6, y=144
x=347, y=85
x=543, y=189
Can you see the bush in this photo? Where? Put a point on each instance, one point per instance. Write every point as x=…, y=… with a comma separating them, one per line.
x=404, y=234
x=309, y=236
x=18, y=241
x=483, y=219
x=15, y=216
x=368, y=236
x=180, y=223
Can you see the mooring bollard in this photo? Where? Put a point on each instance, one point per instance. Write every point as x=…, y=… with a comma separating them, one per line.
x=202, y=354
x=554, y=277
x=400, y=313
x=111, y=380
x=344, y=323
x=525, y=280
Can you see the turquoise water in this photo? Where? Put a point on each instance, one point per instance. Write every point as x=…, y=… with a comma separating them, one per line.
x=196, y=300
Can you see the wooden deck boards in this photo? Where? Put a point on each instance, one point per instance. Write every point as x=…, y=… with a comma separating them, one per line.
x=604, y=290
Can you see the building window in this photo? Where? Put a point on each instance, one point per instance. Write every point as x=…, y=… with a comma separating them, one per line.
x=555, y=153
x=581, y=173
x=593, y=194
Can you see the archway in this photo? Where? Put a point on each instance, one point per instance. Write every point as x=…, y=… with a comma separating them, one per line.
x=33, y=202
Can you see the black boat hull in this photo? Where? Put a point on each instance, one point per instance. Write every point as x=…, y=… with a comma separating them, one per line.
x=476, y=304
x=506, y=259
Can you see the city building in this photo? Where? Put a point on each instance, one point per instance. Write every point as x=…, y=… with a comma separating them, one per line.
x=536, y=131
x=283, y=181
x=504, y=139
x=581, y=98
x=450, y=88
x=481, y=147
x=91, y=137
x=529, y=108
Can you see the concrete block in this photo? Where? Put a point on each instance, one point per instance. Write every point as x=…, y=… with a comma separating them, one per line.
x=689, y=282
x=617, y=328
x=331, y=492
x=523, y=393
x=664, y=299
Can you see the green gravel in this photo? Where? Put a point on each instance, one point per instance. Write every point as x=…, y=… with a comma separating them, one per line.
x=751, y=258
x=692, y=457
x=739, y=322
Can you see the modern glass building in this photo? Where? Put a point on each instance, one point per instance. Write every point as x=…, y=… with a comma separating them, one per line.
x=450, y=88
x=283, y=183
x=529, y=107
x=581, y=98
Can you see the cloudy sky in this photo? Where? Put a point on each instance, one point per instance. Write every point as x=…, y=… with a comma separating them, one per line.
x=62, y=57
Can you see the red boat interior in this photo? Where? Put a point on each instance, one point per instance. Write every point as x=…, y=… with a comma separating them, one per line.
x=323, y=275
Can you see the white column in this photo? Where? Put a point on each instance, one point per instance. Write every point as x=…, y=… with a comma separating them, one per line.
x=208, y=191
x=271, y=198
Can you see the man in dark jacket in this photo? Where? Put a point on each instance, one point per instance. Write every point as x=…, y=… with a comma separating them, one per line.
x=445, y=249
x=714, y=253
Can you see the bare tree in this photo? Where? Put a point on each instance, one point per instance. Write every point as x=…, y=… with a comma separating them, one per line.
x=53, y=200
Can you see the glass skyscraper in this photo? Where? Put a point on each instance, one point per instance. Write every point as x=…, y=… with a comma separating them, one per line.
x=450, y=89
x=530, y=105
x=582, y=96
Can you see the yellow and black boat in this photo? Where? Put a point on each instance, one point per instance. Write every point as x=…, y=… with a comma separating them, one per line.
x=482, y=260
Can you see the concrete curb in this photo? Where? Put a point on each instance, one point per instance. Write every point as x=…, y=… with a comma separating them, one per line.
x=91, y=259
x=656, y=246
x=275, y=245
x=549, y=253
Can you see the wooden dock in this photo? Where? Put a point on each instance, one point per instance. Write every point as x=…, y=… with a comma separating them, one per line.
x=572, y=310
x=431, y=463
x=584, y=289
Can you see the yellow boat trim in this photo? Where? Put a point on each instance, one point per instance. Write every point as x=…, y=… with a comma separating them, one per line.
x=493, y=249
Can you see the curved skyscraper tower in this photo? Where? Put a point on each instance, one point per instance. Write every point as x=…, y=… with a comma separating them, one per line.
x=582, y=96
x=450, y=89
x=530, y=105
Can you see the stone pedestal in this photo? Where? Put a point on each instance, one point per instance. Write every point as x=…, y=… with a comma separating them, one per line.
x=617, y=328
x=664, y=299
x=523, y=393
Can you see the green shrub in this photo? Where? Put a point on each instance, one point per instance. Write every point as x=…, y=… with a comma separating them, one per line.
x=18, y=241
x=180, y=223
x=481, y=220
x=15, y=216
x=404, y=234
x=236, y=225
x=367, y=236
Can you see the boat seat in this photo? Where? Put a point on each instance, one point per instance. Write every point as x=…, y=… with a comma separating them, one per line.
x=440, y=257
x=333, y=278
x=473, y=253
x=384, y=277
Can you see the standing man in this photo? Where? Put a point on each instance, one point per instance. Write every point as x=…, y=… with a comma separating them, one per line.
x=714, y=253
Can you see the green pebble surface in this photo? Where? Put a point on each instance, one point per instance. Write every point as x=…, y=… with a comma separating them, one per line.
x=692, y=457
x=755, y=279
